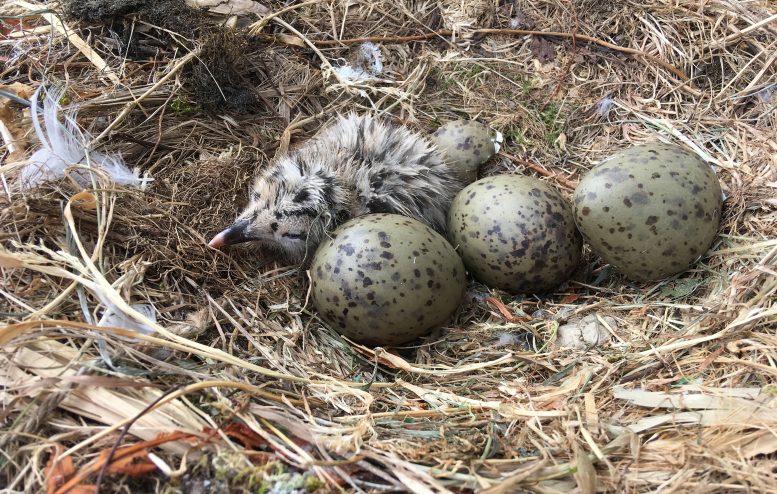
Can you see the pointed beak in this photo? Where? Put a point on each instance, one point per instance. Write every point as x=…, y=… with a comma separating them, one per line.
x=235, y=234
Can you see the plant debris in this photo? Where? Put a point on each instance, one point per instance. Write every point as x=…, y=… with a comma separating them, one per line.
x=172, y=15
x=234, y=384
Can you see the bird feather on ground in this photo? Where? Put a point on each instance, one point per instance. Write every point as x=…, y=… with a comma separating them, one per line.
x=64, y=145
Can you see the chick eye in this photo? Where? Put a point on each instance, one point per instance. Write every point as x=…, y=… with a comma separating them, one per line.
x=274, y=226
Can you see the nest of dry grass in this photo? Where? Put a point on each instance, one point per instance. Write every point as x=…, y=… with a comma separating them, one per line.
x=240, y=388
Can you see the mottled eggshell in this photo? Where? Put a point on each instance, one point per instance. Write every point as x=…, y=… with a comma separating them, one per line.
x=649, y=210
x=467, y=144
x=385, y=279
x=515, y=233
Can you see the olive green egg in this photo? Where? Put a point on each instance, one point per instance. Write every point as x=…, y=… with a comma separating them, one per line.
x=515, y=233
x=386, y=279
x=650, y=210
x=467, y=144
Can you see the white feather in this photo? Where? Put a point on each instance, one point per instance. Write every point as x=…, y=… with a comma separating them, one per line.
x=372, y=61
x=114, y=317
x=65, y=145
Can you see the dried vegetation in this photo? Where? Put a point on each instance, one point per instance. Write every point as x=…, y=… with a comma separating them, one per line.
x=241, y=389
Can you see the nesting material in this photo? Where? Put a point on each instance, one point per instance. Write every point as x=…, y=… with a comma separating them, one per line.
x=243, y=388
x=461, y=16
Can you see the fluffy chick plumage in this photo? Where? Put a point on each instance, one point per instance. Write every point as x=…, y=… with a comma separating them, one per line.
x=355, y=166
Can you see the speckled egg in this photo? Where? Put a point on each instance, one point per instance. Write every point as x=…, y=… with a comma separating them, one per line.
x=385, y=279
x=467, y=144
x=650, y=210
x=515, y=233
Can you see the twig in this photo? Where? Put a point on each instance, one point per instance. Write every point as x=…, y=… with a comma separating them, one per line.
x=513, y=481
x=384, y=39
x=565, y=71
x=733, y=37
x=257, y=26
x=129, y=106
x=75, y=40
x=582, y=37
x=122, y=434
x=313, y=47
x=519, y=32
x=542, y=171
x=285, y=141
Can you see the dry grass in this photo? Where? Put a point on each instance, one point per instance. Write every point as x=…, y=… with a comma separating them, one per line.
x=681, y=399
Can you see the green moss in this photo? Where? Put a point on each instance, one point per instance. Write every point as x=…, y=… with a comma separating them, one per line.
x=181, y=106
x=513, y=133
x=312, y=484
x=553, y=122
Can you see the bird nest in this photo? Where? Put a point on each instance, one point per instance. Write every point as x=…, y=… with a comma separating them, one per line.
x=135, y=358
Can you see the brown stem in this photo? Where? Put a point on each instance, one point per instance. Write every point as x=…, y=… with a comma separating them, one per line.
x=567, y=184
x=518, y=32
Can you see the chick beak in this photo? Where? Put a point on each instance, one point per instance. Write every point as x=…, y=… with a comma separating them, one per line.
x=234, y=234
